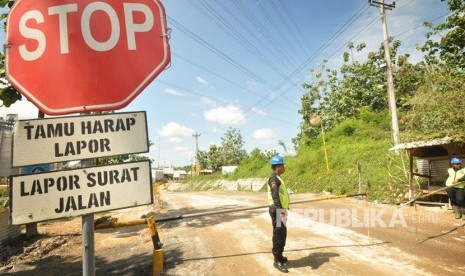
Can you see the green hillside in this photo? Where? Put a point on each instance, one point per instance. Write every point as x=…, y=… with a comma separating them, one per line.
x=354, y=143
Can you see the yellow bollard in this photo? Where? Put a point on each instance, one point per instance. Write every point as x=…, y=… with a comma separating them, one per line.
x=157, y=262
x=109, y=222
x=158, y=251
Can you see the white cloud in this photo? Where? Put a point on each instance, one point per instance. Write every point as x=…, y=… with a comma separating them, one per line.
x=174, y=92
x=264, y=133
x=201, y=80
x=253, y=86
x=208, y=101
x=182, y=149
x=175, y=140
x=259, y=111
x=230, y=114
x=273, y=95
x=174, y=132
x=215, y=129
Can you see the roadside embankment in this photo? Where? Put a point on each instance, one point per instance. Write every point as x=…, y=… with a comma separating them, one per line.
x=249, y=184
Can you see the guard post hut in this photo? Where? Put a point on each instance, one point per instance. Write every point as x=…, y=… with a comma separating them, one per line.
x=432, y=161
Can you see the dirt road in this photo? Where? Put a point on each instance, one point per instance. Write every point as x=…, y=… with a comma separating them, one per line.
x=336, y=237
x=425, y=241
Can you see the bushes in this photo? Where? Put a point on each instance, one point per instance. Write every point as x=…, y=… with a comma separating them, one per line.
x=354, y=142
x=351, y=143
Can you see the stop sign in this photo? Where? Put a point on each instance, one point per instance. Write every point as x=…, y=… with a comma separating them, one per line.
x=69, y=56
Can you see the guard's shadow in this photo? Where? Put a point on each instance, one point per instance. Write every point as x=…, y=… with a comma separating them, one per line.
x=313, y=260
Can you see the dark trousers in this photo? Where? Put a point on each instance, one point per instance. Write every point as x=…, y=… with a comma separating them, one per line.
x=456, y=196
x=279, y=235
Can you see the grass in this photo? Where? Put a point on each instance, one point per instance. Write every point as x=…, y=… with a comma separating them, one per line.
x=358, y=158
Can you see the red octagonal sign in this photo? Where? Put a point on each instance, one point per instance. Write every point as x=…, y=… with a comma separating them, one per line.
x=69, y=56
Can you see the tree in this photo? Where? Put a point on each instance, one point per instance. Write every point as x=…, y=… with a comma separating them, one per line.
x=282, y=144
x=437, y=109
x=232, y=152
x=212, y=158
x=256, y=161
x=450, y=48
x=229, y=153
x=337, y=95
x=8, y=94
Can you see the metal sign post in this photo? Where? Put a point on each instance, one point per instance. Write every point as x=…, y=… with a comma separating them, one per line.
x=88, y=237
x=88, y=245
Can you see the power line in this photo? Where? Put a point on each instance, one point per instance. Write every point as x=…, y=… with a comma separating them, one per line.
x=214, y=49
x=245, y=29
x=220, y=54
x=238, y=37
x=298, y=38
x=335, y=36
x=261, y=30
x=220, y=77
x=324, y=46
x=276, y=27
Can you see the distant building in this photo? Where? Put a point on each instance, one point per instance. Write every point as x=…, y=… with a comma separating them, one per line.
x=180, y=175
x=225, y=170
x=168, y=173
x=158, y=175
x=206, y=171
x=8, y=122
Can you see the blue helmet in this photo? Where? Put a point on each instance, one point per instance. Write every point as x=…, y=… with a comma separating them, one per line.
x=276, y=160
x=455, y=160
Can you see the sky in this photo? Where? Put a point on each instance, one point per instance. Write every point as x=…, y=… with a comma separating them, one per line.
x=241, y=64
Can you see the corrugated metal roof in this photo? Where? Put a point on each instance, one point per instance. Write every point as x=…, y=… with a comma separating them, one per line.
x=421, y=144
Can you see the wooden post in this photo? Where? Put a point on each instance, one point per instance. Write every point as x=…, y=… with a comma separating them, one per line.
x=410, y=182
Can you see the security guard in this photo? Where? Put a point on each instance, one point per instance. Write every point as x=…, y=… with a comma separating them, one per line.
x=278, y=199
x=456, y=194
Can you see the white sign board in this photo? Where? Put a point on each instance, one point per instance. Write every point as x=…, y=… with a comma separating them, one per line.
x=53, y=195
x=80, y=137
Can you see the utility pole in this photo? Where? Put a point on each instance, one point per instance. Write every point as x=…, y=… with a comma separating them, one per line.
x=390, y=80
x=158, y=152
x=197, y=162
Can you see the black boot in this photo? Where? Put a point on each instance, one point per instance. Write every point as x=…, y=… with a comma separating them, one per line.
x=280, y=258
x=462, y=212
x=281, y=267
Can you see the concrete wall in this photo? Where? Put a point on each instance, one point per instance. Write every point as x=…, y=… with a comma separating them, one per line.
x=249, y=184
